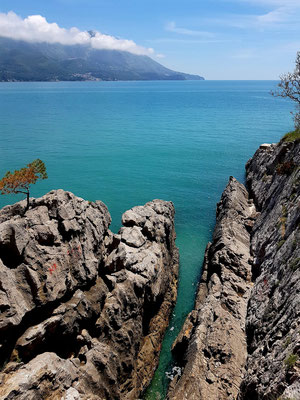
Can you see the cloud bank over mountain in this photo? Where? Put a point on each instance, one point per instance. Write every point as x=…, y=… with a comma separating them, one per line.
x=35, y=28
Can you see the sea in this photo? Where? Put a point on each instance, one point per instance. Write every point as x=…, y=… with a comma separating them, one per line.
x=126, y=143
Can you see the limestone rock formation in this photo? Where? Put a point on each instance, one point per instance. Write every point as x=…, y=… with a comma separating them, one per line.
x=82, y=310
x=242, y=340
x=212, y=344
x=273, y=318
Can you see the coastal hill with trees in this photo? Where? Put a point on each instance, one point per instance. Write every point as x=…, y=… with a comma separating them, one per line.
x=27, y=61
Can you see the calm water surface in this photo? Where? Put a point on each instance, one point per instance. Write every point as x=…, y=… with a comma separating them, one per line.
x=127, y=143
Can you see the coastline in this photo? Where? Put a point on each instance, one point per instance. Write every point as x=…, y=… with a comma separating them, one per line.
x=238, y=341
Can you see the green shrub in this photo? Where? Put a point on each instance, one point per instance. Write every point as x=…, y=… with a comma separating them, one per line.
x=287, y=342
x=279, y=244
x=265, y=178
x=286, y=398
x=291, y=360
x=291, y=136
x=284, y=211
x=295, y=264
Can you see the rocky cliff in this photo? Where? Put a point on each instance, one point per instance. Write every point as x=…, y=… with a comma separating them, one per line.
x=82, y=310
x=273, y=317
x=242, y=340
x=212, y=345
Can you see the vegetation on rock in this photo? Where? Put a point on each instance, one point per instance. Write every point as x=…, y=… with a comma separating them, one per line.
x=20, y=180
x=292, y=136
x=291, y=360
x=285, y=168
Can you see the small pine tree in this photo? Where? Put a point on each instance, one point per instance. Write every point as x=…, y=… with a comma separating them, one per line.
x=20, y=180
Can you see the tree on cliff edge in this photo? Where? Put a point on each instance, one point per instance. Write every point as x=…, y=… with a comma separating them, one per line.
x=20, y=180
x=289, y=87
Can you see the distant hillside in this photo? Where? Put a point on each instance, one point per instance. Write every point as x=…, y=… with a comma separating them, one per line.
x=23, y=61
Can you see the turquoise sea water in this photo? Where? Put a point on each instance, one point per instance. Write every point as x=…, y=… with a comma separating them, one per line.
x=127, y=143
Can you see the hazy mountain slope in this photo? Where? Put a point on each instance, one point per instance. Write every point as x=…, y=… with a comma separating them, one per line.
x=23, y=61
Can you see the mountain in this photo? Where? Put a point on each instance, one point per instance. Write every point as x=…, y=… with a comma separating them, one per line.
x=24, y=61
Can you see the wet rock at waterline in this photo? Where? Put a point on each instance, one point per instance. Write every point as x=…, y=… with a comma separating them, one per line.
x=212, y=344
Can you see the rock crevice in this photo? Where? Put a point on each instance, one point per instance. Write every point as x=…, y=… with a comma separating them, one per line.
x=212, y=344
x=241, y=341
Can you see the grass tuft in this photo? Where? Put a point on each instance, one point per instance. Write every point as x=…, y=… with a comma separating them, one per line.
x=291, y=136
x=291, y=360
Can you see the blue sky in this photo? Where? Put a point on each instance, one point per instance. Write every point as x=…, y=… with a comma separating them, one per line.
x=219, y=39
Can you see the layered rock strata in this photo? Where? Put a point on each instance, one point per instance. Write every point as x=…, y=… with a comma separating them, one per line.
x=212, y=344
x=273, y=317
x=242, y=340
x=82, y=310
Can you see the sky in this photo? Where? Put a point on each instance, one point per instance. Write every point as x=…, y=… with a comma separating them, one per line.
x=217, y=39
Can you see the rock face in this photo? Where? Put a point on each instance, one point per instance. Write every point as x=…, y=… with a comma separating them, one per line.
x=273, y=318
x=212, y=344
x=242, y=340
x=82, y=310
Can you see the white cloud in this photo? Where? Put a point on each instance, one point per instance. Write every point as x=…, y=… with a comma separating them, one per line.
x=282, y=17
x=160, y=55
x=101, y=41
x=277, y=15
x=171, y=27
x=275, y=3
x=288, y=16
x=284, y=14
x=189, y=41
x=36, y=28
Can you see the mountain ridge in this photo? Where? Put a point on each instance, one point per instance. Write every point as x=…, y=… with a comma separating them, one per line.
x=31, y=61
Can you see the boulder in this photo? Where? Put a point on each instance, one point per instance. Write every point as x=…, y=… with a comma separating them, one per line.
x=83, y=310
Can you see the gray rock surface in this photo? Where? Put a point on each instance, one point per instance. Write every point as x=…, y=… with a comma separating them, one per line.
x=83, y=311
x=273, y=318
x=242, y=340
x=212, y=344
